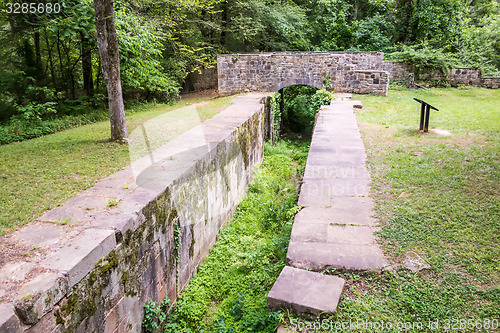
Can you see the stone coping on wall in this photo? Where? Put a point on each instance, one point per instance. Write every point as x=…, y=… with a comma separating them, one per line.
x=66, y=242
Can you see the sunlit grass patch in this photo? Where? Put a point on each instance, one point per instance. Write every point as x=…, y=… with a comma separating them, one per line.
x=39, y=174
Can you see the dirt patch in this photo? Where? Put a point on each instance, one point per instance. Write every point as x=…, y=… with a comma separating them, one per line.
x=12, y=252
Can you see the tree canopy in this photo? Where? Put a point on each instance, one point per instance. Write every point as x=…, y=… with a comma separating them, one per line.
x=48, y=59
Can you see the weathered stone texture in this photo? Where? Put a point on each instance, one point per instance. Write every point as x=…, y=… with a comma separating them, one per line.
x=353, y=72
x=305, y=293
x=204, y=78
x=492, y=82
x=460, y=75
x=99, y=265
x=348, y=71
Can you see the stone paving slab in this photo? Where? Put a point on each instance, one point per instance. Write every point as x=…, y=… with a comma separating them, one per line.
x=38, y=296
x=348, y=158
x=346, y=131
x=328, y=172
x=318, y=256
x=333, y=233
x=341, y=123
x=325, y=191
x=331, y=150
x=305, y=293
x=349, y=211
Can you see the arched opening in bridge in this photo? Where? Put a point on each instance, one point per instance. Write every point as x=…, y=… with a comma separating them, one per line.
x=298, y=106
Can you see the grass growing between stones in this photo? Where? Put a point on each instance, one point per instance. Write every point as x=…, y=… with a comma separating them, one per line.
x=42, y=173
x=228, y=294
x=436, y=196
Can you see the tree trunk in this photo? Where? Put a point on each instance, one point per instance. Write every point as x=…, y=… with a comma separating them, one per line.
x=410, y=84
x=224, y=24
x=88, y=82
x=51, y=64
x=38, y=57
x=107, y=41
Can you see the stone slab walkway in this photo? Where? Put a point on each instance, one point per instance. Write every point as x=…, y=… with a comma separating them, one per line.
x=335, y=228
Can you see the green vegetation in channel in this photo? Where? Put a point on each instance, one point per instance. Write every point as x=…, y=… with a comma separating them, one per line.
x=229, y=292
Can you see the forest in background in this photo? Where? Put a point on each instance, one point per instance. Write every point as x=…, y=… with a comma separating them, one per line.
x=49, y=63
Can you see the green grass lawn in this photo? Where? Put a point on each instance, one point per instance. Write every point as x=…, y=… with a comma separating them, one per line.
x=438, y=196
x=39, y=174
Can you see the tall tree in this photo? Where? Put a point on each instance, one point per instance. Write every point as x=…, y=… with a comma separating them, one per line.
x=107, y=41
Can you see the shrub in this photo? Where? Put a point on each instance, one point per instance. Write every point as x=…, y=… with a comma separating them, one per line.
x=424, y=58
x=301, y=105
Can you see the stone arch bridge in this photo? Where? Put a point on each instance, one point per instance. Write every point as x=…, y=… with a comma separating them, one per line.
x=352, y=72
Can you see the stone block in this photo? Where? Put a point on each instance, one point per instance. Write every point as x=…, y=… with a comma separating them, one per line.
x=345, y=157
x=318, y=256
x=77, y=258
x=331, y=172
x=9, y=322
x=39, y=295
x=322, y=192
x=344, y=210
x=47, y=324
x=332, y=233
x=305, y=293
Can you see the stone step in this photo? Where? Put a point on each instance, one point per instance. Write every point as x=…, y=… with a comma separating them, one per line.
x=345, y=157
x=323, y=192
x=345, y=210
x=330, y=149
x=333, y=233
x=329, y=172
x=305, y=293
x=319, y=256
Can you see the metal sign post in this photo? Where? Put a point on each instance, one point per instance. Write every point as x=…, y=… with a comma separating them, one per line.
x=425, y=110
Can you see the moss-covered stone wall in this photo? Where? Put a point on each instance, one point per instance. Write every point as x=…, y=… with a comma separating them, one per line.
x=159, y=236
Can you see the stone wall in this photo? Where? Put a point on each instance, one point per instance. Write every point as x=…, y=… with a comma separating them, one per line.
x=354, y=72
x=204, y=79
x=460, y=75
x=492, y=82
x=364, y=82
x=95, y=262
x=273, y=71
x=397, y=70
